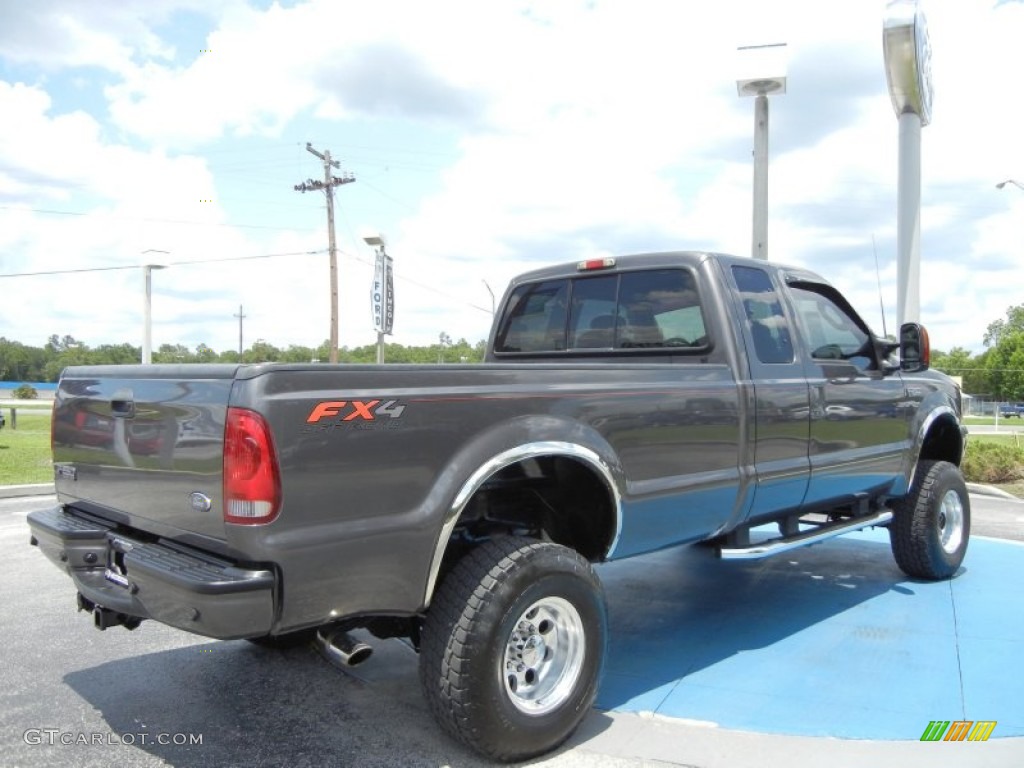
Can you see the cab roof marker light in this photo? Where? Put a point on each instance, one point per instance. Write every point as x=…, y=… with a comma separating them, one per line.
x=591, y=264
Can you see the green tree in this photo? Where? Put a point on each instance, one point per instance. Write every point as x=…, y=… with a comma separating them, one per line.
x=59, y=344
x=19, y=362
x=1000, y=329
x=116, y=354
x=204, y=354
x=1005, y=363
x=970, y=368
x=15, y=361
x=261, y=352
x=173, y=353
x=1004, y=358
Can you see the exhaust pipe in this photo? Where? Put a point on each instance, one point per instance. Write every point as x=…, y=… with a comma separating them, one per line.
x=340, y=648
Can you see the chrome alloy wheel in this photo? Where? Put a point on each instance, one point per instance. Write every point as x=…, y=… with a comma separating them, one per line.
x=951, y=521
x=543, y=656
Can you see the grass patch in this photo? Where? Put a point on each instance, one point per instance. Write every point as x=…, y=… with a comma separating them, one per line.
x=989, y=421
x=25, y=451
x=1008, y=439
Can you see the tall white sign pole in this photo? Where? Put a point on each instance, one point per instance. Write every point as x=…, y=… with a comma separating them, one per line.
x=908, y=70
x=762, y=71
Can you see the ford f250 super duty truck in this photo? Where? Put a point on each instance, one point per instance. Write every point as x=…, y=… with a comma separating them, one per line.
x=625, y=405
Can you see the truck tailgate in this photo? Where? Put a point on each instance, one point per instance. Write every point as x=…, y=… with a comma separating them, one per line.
x=142, y=445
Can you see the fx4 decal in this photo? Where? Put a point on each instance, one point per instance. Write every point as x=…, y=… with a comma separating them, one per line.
x=355, y=410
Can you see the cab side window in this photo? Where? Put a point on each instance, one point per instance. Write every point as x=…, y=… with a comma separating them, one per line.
x=766, y=322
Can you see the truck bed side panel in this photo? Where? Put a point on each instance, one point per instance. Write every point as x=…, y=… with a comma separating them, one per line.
x=370, y=471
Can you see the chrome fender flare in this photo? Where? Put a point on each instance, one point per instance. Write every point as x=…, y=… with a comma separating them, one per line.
x=545, y=448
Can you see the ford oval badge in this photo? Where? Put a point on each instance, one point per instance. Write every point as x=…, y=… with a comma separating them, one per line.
x=200, y=502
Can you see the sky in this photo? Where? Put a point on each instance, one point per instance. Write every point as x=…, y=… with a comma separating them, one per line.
x=485, y=139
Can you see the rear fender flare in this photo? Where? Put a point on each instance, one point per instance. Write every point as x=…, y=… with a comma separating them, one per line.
x=542, y=448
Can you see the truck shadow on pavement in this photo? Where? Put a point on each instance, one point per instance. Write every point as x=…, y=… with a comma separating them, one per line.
x=675, y=618
x=257, y=706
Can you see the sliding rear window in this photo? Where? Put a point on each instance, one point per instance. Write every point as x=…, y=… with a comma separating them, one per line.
x=656, y=309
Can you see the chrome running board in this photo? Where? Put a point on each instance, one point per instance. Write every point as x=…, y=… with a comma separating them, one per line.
x=786, y=543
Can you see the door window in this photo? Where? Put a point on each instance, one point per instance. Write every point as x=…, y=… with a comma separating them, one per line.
x=831, y=330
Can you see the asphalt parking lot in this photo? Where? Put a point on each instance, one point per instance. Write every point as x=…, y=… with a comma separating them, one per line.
x=827, y=655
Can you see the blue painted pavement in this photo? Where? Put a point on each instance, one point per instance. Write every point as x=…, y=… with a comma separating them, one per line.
x=831, y=640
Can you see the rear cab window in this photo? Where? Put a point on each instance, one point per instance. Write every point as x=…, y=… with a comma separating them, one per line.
x=642, y=310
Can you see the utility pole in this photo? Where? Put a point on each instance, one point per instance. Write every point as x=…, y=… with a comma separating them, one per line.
x=327, y=185
x=240, y=317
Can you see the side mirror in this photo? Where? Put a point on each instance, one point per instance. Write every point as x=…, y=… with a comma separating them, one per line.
x=915, y=349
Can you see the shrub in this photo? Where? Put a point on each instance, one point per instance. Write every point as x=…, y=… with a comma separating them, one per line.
x=993, y=463
x=25, y=392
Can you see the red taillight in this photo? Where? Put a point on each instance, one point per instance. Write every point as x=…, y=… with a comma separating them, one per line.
x=252, y=482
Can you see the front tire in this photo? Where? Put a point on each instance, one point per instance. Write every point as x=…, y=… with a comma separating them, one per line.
x=513, y=646
x=932, y=525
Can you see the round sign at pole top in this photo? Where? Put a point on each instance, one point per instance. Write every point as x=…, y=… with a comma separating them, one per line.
x=908, y=58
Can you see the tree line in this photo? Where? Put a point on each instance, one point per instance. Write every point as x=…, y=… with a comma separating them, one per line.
x=996, y=374
x=21, y=362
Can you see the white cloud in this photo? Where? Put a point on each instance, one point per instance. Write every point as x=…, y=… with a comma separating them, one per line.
x=580, y=128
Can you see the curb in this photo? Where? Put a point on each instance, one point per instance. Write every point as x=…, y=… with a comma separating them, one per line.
x=988, y=490
x=15, y=491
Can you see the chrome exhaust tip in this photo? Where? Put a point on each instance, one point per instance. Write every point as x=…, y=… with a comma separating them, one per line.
x=340, y=648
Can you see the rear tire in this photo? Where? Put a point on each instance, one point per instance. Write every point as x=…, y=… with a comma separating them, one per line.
x=513, y=646
x=932, y=525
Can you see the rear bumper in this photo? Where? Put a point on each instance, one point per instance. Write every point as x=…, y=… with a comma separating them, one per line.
x=160, y=580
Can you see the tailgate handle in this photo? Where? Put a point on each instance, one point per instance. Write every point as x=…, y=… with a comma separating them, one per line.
x=122, y=405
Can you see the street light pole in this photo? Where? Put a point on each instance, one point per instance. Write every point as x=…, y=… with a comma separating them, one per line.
x=147, y=306
x=763, y=73
x=907, y=51
x=1015, y=183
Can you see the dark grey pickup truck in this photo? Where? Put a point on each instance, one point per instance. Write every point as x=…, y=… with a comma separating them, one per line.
x=626, y=405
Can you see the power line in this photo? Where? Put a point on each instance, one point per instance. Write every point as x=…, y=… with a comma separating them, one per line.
x=70, y=271
x=248, y=258
x=424, y=286
x=170, y=264
x=53, y=212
